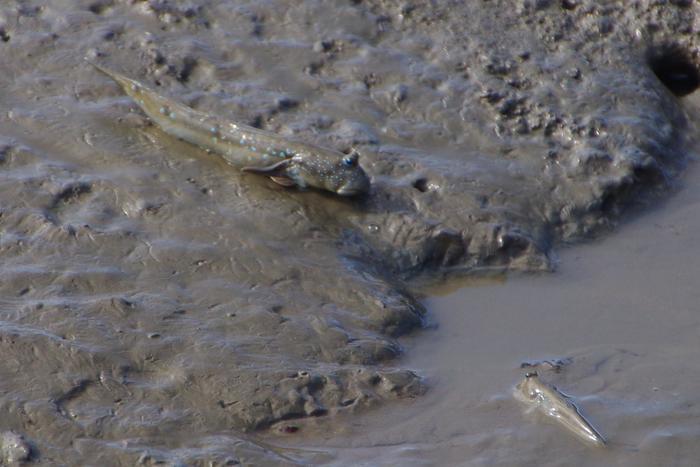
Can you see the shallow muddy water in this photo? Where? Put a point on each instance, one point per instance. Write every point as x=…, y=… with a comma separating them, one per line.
x=160, y=306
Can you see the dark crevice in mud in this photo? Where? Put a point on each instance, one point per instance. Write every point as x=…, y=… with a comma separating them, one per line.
x=675, y=68
x=514, y=244
x=71, y=394
x=100, y=8
x=421, y=184
x=5, y=153
x=188, y=66
x=613, y=203
x=70, y=193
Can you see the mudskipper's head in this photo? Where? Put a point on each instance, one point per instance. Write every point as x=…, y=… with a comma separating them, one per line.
x=319, y=169
x=347, y=177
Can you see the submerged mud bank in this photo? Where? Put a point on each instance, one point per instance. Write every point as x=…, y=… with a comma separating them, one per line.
x=157, y=304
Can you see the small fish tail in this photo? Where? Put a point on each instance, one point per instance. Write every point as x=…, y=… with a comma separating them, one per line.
x=126, y=83
x=153, y=104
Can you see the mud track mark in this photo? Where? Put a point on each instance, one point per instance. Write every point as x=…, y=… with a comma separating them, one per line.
x=73, y=393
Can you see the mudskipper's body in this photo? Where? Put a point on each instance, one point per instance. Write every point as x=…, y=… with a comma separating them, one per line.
x=553, y=403
x=287, y=162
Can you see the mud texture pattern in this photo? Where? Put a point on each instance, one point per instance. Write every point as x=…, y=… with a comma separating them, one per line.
x=158, y=306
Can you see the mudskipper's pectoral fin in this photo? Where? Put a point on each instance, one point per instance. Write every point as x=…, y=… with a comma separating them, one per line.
x=288, y=182
x=277, y=172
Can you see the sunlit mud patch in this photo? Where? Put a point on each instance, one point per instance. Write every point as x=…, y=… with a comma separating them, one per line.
x=675, y=69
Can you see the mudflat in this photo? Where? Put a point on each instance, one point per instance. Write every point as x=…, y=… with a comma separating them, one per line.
x=157, y=305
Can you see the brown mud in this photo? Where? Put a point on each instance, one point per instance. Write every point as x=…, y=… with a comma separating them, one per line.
x=158, y=306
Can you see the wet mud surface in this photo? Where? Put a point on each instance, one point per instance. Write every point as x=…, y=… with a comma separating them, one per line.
x=157, y=305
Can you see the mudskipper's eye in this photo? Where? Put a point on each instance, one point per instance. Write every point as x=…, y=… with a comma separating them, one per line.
x=350, y=160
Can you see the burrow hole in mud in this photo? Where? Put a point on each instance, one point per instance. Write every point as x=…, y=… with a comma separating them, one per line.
x=98, y=8
x=675, y=69
x=421, y=184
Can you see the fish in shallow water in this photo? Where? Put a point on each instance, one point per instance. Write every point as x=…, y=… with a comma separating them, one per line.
x=553, y=403
x=287, y=162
